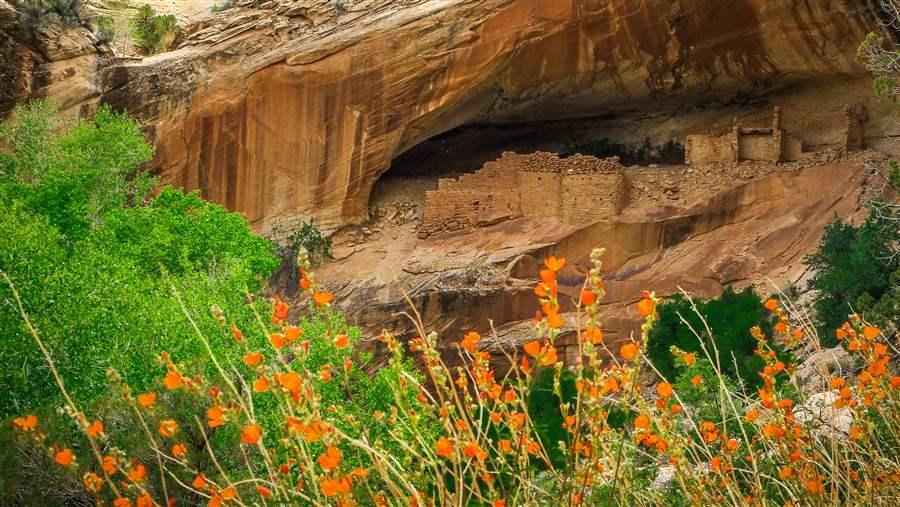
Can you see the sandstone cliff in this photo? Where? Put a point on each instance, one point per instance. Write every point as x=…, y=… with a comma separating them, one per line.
x=295, y=108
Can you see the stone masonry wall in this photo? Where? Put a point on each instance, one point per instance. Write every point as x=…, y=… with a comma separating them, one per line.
x=577, y=189
x=704, y=149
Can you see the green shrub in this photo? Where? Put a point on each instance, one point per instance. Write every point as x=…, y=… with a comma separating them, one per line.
x=38, y=13
x=544, y=410
x=149, y=30
x=855, y=266
x=96, y=259
x=729, y=317
x=225, y=5
x=106, y=28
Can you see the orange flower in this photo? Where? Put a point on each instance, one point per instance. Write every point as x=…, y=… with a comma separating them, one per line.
x=322, y=298
x=147, y=399
x=199, y=482
x=252, y=358
x=290, y=381
x=215, y=416
x=362, y=473
x=179, y=450
x=505, y=445
x=588, y=297
x=444, y=447
x=229, y=493
x=645, y=307
x=470, y=342
x=26, y=423
x=92, y=482
x=871, y=332
x=642, y=422
x=173, y=380
x=64, y=457
x=250, y=434
x=814, y=485
x=837, y=383
x=264, y=491
x=472, y=450
x=332, y=487
x=277, y=340
x=261, y=385
x=95, y=429
x=780, y=327
x=554, y=264
x=629, y=351
x=109, y=465
x=689, y=358
x=895, y=382
x=786, y=472
x=138, y=473
x=664, y=389
x=341, y=340
x=291, y=333
x=532, y=348
x=279, y=311
x=121, y=502
x=168, y=427
x=549, y=357
x=554, y=320
x=331, y=459
x=697, y=380
x=238, y=335
x=594, y=335
x=771, y=304
x=325, y=373
x=548, y=276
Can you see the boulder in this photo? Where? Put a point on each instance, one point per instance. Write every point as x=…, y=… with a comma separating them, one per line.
x=814, y=374
x=820, y=413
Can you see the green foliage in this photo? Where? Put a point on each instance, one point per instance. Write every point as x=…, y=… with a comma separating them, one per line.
x=289, y=244
x=669, y=153
x=225, y=5
x=96, y=259
x=729, y=317
x=105, y=28
x=544, y=409
x=149, y=30
x=855, y=267
x=703, y=398
x=883, y=65
x=306, y=237
x=39, y=13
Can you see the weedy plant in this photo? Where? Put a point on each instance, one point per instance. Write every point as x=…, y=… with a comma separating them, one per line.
x=462, y=436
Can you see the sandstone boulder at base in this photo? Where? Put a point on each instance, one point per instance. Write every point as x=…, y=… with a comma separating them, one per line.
x=815, y=373
x=819, y=413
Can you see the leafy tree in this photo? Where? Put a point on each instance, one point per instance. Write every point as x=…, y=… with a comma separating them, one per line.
x=729, y=317
x=854, y=266
x=96, y=259
x=37, y=13
x=149, y=29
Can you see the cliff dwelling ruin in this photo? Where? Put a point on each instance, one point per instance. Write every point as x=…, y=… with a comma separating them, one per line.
x=768, y=144
x=539, y=186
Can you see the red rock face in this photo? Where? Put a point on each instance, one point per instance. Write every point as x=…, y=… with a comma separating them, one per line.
x=280, y=113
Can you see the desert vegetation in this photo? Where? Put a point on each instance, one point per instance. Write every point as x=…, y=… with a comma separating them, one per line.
x=149, y=360
x=139, y=315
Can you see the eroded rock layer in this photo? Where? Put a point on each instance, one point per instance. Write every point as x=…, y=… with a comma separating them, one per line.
x=294, y=108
